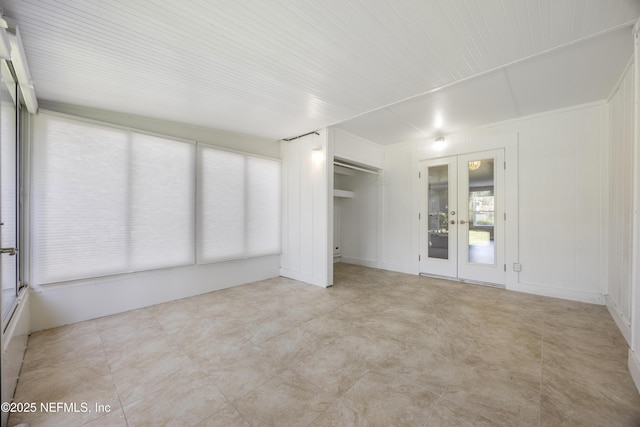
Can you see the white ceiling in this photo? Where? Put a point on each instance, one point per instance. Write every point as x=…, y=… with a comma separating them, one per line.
x=583, y=72
x=278, y=68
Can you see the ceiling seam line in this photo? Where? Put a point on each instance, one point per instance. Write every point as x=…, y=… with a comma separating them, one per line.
x=425, y=134
x=510, y=89
x=620, y=79
x=503, y=66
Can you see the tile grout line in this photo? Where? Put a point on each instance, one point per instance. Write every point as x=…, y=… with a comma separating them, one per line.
x=338, y=398
x=446, y=388
x=227, y=399
x=115, y=388
x=237, y=410
x=203, y=372
x=433, y=406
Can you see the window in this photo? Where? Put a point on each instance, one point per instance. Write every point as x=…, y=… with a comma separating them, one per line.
x=263, y=207
x=221, y=193
x=239, y=206
x=107, y=201
x=162, y=202
x=482, y=203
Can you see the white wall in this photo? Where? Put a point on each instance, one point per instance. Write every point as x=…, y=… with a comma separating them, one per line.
x=634, y=351
x=555, y=199
x=355, y=149
x=359, y=219
x=398, y=214
x=620, y=202
x=307, y=210
x=561, y=203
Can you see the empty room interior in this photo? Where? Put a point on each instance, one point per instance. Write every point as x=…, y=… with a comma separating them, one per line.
x=320, y=213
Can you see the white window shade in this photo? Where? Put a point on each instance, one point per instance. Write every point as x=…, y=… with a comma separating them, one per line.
x=162, y=202
x=79, y=206
x=238, y=206
x=221, y=208
x=108, y=201
x=263, y=206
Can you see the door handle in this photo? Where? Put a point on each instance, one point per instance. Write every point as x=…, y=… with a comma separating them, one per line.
x=462, y=221
x=10, y=251
x=453, y=221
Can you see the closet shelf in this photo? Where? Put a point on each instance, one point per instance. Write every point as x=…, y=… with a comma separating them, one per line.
x=343, y=193
x=341, y=170
x=347, y=169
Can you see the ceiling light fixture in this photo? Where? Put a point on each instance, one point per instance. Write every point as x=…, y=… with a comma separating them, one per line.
x=474, y=165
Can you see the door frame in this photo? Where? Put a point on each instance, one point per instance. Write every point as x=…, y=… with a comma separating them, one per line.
x=463, y=143
x=16, y=258
x=457, y=266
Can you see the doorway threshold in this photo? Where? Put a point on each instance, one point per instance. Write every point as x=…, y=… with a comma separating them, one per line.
x=456, y=279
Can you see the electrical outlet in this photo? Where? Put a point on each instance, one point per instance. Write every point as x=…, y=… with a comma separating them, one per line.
x=517, y=266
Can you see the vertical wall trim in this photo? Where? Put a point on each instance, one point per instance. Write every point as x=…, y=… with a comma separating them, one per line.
x=635, y=249
x=605, y=182
x=330, y=151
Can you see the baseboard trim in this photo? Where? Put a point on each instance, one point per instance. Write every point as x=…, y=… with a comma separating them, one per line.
x=554, y=292
x=623, y=324
x=359, y=261
x=303, y=277
x=634, y=368
x=398, y=268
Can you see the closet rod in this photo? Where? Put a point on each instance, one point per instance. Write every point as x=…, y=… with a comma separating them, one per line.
x=300, y=136
x=348, y=166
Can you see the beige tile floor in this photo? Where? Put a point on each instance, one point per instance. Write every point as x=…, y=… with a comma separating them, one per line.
x=379, y=348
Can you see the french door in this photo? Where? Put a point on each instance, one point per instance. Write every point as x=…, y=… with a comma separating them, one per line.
x=462, y=217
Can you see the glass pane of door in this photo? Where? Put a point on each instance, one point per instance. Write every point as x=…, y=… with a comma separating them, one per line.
x=438, y=212
x=481, y=205
x=8, y=188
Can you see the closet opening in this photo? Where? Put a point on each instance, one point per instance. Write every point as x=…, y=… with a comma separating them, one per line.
x=355, y=213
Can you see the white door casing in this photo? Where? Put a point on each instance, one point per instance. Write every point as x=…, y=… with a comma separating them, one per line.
x=462, y=222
